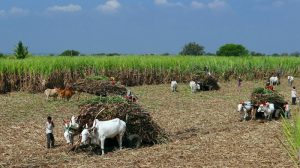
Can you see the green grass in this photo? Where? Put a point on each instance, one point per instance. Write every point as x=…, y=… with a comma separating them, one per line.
x=291, y=131
x=248, y=67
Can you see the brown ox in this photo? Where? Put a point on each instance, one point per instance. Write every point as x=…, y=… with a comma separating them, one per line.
x=66, y=93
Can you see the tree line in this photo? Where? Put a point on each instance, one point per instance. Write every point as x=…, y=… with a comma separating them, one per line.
x=192, y=48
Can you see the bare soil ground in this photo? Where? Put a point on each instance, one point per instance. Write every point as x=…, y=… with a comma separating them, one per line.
x=204, y=129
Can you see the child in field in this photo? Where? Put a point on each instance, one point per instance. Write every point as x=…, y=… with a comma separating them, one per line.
x=49, y=132
x=287, y=110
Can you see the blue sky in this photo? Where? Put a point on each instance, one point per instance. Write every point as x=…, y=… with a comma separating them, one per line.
x=149, y=26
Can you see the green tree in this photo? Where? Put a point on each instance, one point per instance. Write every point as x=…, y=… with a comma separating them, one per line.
x=21, y=51
x=232, y=50
x=192, y=48
x=70, y=53
x=296, y=54
x=253, y=53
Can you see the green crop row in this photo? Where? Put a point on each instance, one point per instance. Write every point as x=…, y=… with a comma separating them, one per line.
x=45, y=65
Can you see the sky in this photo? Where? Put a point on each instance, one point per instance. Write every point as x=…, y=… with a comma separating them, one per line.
x=149, y=26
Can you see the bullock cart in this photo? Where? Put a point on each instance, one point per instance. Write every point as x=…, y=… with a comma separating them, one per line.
x=141, y=130
x=261, y=96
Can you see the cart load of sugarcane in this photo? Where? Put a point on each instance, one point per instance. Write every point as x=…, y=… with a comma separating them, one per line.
x=206, y=81
x=139, y=123
x=261, y=95
x=100, y=87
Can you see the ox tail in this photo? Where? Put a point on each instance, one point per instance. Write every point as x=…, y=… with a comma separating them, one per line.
x=126, y=118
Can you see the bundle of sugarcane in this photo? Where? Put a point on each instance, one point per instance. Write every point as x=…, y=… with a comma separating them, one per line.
x=207, y=81
x=138, y=121
x=261, y=95
x=99, y=87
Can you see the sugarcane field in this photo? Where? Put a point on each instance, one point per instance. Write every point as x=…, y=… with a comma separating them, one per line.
x=165, y=126
x=149, y=84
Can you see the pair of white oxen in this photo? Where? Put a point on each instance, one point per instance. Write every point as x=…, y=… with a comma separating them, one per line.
x=193, y=85
x=275, y=81
x=97, y=133
x=247, y=108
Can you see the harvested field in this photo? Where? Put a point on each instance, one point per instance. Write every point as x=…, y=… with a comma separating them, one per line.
x=204, y=128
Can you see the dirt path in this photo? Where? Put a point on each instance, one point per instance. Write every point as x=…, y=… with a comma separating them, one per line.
x=204, y=129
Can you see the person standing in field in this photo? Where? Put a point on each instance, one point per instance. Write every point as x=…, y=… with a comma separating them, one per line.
x=205, y=69
x=294, y=95
x=239, y=82
x=49, y=132
x=287, y=110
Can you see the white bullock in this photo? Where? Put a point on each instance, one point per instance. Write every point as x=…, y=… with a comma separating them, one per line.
x=105, y=129
x=246, y=108
x=290, y=80
x=274, y=80
x=267, y=109
x=85, y=135
x=194, y=86
x=51, y=93
x=173, y=86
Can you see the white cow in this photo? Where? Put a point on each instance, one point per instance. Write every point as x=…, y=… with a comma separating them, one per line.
x=274, y=80
x=105, y=129
x=173, y=86
x=267, y=109
x=194, y=86
x=51, y=93
x=85, y=135
x=69, y=127
x=246, y=108
x=290, y=80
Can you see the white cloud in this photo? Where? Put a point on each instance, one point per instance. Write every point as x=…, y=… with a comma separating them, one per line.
x=18, y=11
x=161, y=2
x=14, y=11
x=109, y=6
x=212, y=5
x=167, y=3
x=197, y=5
x=66, y=8
x=217, y=4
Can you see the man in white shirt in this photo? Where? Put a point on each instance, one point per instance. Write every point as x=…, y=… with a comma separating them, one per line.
x=294, y=95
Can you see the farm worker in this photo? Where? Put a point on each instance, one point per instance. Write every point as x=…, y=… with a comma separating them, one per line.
x=294, y=95
x=287, y=110
x=239, y=81
x=279, y=73
x=130, y=96
x=49, y=132
x=206, y=69
x=112, y=79
x=269, y=87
